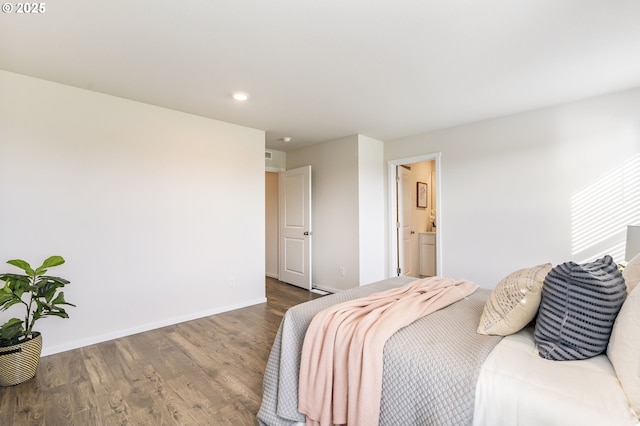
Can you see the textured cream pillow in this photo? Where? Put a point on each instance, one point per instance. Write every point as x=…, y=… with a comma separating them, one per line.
x=624, y=348
x=514, y=302
x=631, y=273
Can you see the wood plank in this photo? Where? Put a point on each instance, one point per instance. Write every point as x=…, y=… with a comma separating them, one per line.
x=202, y=372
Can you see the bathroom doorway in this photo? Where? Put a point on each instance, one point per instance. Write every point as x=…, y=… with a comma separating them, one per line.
x=415, y=231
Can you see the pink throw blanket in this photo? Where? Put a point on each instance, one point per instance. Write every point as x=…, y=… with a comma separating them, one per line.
x=342, y=355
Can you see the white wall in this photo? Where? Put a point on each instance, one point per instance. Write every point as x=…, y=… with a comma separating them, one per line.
x=277, y=162
x=371, y=209
x=154, y=210
x=334, y=186
x=551, y=185
x=348, y=191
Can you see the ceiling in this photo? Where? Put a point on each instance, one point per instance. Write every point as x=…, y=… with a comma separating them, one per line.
x=318, y=70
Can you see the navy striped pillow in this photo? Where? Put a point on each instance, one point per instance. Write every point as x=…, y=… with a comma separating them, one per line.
x=578, y=308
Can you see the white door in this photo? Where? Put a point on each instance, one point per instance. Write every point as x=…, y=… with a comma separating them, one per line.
x=294, y=194
x=403, y=220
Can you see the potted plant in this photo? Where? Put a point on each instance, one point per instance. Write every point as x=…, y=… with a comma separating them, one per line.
x=39, y=296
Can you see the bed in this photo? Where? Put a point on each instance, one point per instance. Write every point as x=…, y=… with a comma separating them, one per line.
x=441, y=371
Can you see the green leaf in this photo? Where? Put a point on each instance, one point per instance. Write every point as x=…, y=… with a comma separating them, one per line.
x=59, y=300
x=46, y=287
x=61, y=314
x=11, y=331
x=4, y=298
x=61, y=282
x=15, y=279
x=6, y=303
x=17, y=284
x=50, y=262
x=5, y=291
x=11, y=294
x=22, y=265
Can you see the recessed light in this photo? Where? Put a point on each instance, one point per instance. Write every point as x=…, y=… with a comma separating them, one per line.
x=240, y=96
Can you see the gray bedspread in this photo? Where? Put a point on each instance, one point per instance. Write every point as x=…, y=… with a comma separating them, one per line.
x=430, y=367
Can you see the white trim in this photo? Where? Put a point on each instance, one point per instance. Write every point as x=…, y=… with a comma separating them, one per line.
x=271, y=275
x=147, y=327
x=274, y=169
x=328, y=289
x=391, y=176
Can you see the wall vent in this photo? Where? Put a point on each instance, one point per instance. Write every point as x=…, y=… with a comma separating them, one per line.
x=268, y=155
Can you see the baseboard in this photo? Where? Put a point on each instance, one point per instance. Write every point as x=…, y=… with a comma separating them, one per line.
x=326, y=289
x=147, y=327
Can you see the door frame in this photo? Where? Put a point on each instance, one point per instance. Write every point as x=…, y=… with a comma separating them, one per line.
x=402, y=252
x=392, y=248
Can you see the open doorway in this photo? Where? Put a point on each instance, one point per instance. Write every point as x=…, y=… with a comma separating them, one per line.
x=288, y=226
x=414, y=216
x=271, y=224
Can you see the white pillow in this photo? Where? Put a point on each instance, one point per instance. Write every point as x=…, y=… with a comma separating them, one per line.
x=514, y=302
x=624, y=348
x=631, y=273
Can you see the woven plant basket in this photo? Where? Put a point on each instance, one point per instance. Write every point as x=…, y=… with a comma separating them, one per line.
x=18, y=363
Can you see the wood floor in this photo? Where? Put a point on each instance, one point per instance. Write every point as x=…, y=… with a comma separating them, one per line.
x=203, y=372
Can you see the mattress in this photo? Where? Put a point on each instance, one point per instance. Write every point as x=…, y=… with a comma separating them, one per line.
x=430, y=367
x=518, y=387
